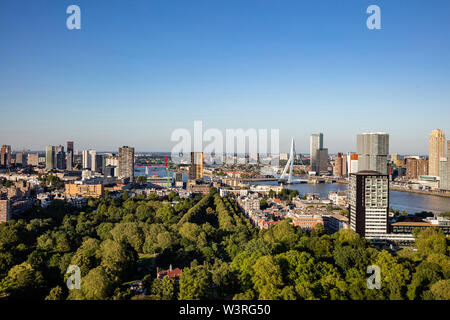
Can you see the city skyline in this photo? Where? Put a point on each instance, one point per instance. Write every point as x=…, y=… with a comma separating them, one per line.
x=142, y=70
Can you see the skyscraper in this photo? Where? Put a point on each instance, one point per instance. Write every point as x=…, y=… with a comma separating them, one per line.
x=49, y=157
x=372, y=149
x=318, y=154
x=436, y=150
x=126, y=162
x=5, y=159
x=89, y=160
x=196, y=168
x=55, y=157
x=20, y=158
x=368, y=194
x=69, y=158
x=448, y=164
x=340, y=165
x=85, y=160
x=443, y=178
x=60, y=158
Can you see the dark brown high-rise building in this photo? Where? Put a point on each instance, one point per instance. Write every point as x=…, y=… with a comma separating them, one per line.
x=340, y=165
x=5, y=156
x=416, y=167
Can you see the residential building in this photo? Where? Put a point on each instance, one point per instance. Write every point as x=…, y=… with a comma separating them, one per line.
x=126, y=162
x=5, y=155
x=84, y=190
x=5, y=210
x=33, y=159
x=171, y=273
x=436, y=150
x=340, y=166
x=306, y=221
x=369, y=203
x=416, y=167
x=20, y=158
x=443, y=170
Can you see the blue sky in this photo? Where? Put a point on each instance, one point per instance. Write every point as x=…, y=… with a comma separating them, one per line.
x=139, y=69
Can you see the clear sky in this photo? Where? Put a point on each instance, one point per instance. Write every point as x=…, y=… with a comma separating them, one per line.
x=138, y=69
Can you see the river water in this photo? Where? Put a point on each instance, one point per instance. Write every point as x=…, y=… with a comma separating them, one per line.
x=411, y=202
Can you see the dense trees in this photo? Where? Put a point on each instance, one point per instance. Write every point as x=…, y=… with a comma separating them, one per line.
x=117, y=241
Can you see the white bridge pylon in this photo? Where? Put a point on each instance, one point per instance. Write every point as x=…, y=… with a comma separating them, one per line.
x=290, y=164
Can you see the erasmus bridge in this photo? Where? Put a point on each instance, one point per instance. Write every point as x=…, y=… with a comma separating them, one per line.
x=290, y=168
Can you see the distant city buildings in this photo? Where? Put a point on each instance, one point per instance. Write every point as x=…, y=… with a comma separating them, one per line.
x=318, y=154
x=126, y=162
x=436, y=151
x=372, y=149
x=369, y=203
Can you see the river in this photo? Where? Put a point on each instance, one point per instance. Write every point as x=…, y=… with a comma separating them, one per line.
x=411, y=202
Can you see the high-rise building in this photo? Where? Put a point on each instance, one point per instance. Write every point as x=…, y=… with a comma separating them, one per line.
x=55, y=157
x=318, y=154
x=20, y=158
x=368, y=195
x=448, y=164
x=352, y=163
x=5, y=157
x=98, y=163
x=373, y=149
x=340, y=165
x=50, y=157
x=89, y=160
x=196, y=168
x=33, y=159
x=436, y=150
x=60, y=157
x=85, y=159
x=126, y=162
x=5, y=210
x=443, y=171
x=69, y=158
x=416, y=167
